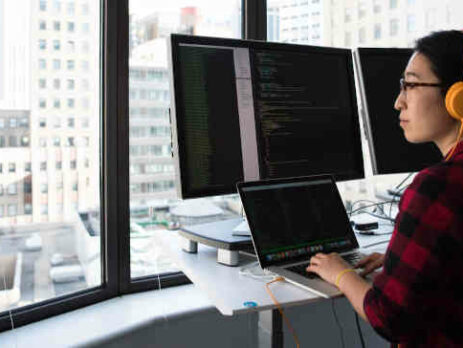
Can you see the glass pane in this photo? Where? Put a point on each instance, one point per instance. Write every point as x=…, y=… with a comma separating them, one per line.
x=152, y=193
x=49, y=166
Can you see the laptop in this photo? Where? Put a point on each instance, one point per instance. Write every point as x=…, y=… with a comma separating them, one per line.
x=292, y=219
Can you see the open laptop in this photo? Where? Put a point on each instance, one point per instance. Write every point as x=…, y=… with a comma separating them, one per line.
x=292, y=219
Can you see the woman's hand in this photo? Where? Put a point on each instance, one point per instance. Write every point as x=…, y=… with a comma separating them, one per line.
x=370, y=263
x=327, y=266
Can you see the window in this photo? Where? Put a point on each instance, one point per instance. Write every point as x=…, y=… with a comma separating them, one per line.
x=56, y=26
x=1, y=190
x=71, y=103
x=43, y=166
x=12, y=209
x=42, y=5
x=44, y=188
x=27, y=208
x=25, y=141
x=377, y=31
x=377, y=6
x=42, y=142
x=44, y=209
x=13, y=122
x=70, y=84
x=2, y=141
x=393, y=4
x=42, y=103
x=394, y=27
x=70, y=9
x=411, y=23
x=12, y=167
x=1, y=168
x=42, y=83
x=56, y=64
x=27, y=187
x=42, y=44
x=42, y=25
x=71, y=122
x=56, y=45
x=70, y=64
x=56, y=141
x=362, y=9
x=71, y=27
x=56, y=83
x=42, y=64
x=12, y=189
x=27, y=167
x=42, y=122
x=75, y=186
x=73, y=164
x=13, y=141
x=56, y=103
x=59, y=166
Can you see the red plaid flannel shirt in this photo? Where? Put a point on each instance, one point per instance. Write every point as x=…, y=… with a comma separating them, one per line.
x=417, y=299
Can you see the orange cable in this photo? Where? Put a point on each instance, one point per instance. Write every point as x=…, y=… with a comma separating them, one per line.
x=279, y=279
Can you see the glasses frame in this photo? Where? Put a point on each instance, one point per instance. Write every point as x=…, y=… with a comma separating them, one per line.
x=405, y=84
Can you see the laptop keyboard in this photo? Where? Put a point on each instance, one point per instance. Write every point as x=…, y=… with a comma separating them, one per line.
x=351, y=259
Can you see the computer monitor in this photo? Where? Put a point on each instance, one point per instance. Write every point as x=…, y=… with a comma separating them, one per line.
x=379, y=71
x=248, y=110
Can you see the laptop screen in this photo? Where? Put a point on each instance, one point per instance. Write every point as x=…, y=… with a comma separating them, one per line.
x=292, y=219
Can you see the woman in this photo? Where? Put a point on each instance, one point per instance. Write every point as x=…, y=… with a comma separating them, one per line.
x=417, y=298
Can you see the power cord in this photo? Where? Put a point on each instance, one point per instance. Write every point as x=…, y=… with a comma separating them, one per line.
x=362, y=342
x=275, y=301
x=341, y=331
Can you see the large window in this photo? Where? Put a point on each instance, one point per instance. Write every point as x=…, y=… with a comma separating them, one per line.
x=153, y=199
x=50, y=235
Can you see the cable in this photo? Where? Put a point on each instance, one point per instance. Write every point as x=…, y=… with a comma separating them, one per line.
x=341, y=332
x=275, y=301
x=368, y=206
x=247, y=271
x=362, y=342
x=373, y=244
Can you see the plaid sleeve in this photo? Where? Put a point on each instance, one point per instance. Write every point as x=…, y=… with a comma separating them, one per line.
x=401, y=298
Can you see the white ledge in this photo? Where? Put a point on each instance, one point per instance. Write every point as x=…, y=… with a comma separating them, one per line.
x=106, y=320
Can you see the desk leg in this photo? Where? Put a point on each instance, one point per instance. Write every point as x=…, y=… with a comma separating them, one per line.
x=277, y=329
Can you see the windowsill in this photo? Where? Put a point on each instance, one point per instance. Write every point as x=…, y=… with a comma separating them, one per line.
x=106, y=320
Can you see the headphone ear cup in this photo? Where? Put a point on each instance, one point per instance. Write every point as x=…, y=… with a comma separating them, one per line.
x=454, y=100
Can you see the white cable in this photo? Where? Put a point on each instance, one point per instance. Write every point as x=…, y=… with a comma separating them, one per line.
x=254, y=271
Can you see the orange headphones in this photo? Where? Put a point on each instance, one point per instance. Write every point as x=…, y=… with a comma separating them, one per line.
x=454, y=106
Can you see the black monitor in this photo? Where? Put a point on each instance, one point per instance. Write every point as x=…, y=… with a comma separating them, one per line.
x=379, y=71
x=249, y=110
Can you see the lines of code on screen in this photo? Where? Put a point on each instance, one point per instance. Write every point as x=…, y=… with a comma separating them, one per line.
x=208, y=123
x=304, y=114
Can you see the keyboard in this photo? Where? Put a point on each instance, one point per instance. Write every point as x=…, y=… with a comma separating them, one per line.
x=351, y=259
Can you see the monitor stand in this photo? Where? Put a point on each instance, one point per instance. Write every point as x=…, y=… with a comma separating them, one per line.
x=228, y=236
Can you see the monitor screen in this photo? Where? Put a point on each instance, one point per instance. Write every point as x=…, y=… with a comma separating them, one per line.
x=249, y=110
x=379, y=72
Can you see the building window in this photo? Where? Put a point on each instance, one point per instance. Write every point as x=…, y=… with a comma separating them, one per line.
x=42, y=64
x=42, y=44
x=12, y=209
x=42, y=103
x=42, y=25
x=75, y=186
x=56, y=64
x=56, y=26
x=12, y=167
x=70, y=141
x=56, y=83
x=70, y=8
x=73, y=164
x=57, y=5
x=27, y=167
x=13, y=122
x=44, y=209
x=70, y=122
x=56, y=45
x=2, y=141
x=43, y=5
x=59, y=166
x=56, y=103
x=1, y=190
x=43, y=142
x=25, y=141
x=362, y=9
x=392, y=4
x=71, y=27
x=56, y=141
x=70, y=84
x=70, y=64
x=13, y=141
x=376, y=6
x=42, y=122
x=71, y=103
x=411, y=23
x=362, y=35
x=394, y=27
x=12, y=189
x=1, y=168
x=42, y=83
x=44, y=188
x=43, y=166
x=27, y=187
x=85, y=123
x=377, y=31
x=28, y=208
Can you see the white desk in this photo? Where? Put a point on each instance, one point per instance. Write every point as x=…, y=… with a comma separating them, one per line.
x=229, y=290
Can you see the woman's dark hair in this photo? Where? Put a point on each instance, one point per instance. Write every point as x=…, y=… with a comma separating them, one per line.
x=445, y=51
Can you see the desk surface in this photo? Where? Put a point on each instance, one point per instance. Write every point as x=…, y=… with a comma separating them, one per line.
x=228, y=289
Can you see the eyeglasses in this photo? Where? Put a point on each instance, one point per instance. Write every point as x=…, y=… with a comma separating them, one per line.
x=405, y=84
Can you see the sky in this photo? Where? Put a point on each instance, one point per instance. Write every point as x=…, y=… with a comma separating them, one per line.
x=140, y=7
